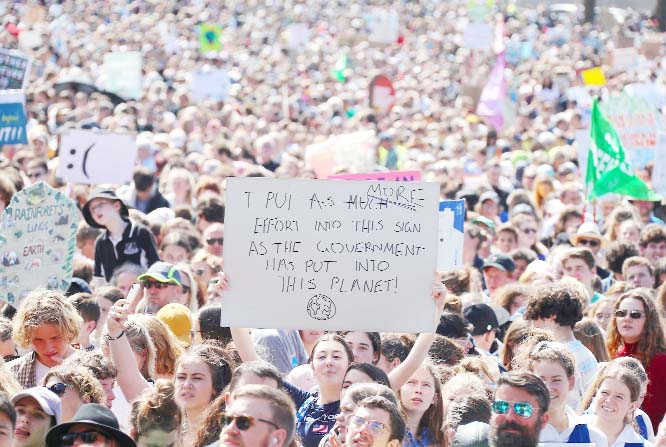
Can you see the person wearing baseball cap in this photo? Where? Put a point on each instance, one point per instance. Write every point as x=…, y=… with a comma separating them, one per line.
x=123, y=241
x=38, y=409
x=485, y=324
x=178, y=319
x=161, y=284
x=498, y=271
x=94, y=425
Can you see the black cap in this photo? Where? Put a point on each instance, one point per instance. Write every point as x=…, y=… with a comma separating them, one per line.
x=103, y=193
x=500, y=261
x=96, y=415
x=482, y=317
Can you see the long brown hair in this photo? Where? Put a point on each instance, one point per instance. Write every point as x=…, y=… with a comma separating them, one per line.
x=433, y=417
x=652, y=338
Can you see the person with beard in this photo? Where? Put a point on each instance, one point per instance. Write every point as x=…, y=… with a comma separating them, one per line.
x=520, y=410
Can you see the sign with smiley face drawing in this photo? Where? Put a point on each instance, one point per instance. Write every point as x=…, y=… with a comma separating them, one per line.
x=94, y=157
x=37, y=242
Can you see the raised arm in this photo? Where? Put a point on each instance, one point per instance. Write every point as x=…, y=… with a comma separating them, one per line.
x=401, y=373
x=129, y=377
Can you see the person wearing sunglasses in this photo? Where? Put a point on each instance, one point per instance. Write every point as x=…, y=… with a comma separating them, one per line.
x=377, y=422
x=520, y=410
x=214, y=239
x=93, y=425
x=37, y=411
x=635, y=330
x=162, y=284
x=258, y=416
x=75, y=386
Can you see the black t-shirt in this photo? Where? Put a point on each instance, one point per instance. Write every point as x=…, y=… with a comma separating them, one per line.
x=313, y=421
x=137, y=246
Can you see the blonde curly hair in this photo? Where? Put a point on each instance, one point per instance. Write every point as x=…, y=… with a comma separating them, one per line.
x=81, y=380
x=42, y=307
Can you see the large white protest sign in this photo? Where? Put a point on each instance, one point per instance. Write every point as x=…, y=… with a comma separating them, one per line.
x=298, y=35
x=451, y=234
x=122, y=74
x=37, y=243
x=210, y=84
x=95, y=157
x=328, y=254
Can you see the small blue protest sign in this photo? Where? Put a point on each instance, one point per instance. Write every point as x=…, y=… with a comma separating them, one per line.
x=12, y=119
x=451, y=234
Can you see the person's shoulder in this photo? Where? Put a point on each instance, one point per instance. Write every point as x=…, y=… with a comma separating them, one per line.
x=17, y=363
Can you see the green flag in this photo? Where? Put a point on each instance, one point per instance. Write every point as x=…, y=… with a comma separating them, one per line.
x=339, y=71
x=608, y=170
x=209, y=37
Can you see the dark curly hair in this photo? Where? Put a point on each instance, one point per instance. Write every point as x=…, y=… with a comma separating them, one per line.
x=617, y=252
x=561, y=300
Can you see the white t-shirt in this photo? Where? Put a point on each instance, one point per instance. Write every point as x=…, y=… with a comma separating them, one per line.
x=121, y=409
x=40, y=371
x=549, y=433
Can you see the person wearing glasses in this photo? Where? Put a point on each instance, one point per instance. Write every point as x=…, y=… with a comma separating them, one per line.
x=636, y=330
x=377, y=422
x=75, y=386
x=162, y=284
x=553, y=364
x=123, y=241
x=258, y=416
x=520, y=410
x=214, y=239
x=93, y=425
x=37, y=411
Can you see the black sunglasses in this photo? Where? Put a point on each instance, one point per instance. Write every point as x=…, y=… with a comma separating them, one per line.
x=588, y=242
x=159, y=285
x=87, y=437
x=243, y=422
x=215, y=240
x=633, y=314
x=58, y=388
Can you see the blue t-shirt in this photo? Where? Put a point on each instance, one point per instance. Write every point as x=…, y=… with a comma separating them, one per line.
x=313, y=421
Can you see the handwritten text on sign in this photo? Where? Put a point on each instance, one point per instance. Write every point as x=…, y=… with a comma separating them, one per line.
x=324, y=254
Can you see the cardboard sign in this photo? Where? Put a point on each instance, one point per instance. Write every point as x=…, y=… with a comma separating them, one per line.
x=384, y=26
x=354, y=151
x=636, y=122
x=209, y=37
x=451, y=234
x=122, y=74
x=37, y=242
x=14, y=70
x=323, y=254
x=210, y=83
x=382, y=94
x=478, y=36
x=94, y=157
x=12, y=118
x=400, y=176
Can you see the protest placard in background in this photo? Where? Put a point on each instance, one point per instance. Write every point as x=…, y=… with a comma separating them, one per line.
x=401, y=176
x=382, y=94
x=122, y=74
x=209, y=37
x=451, y=234
x=37, y=242
x=210, y=83
x=636, y=122
x=355, y=151
x=95, y=157
x=323, y=254
x=478, y=36
x=14, y=70
x=384, y=25
x=297, y=35
x=12, y=118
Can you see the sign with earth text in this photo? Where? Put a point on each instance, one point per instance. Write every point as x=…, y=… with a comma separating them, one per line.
x=37, y=242
x=326, y=254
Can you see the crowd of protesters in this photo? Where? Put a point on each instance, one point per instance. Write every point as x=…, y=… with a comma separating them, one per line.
x=551, y=332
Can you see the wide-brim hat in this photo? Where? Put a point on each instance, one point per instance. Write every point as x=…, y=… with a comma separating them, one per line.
x=588, y=230
x=103, y=193
x=95, y=415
